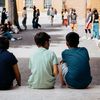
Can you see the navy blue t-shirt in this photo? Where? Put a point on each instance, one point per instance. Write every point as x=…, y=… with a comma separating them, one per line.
x=7, y=60
x=77, y=60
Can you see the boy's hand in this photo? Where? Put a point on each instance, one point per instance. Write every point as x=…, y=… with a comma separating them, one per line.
x=61, y=62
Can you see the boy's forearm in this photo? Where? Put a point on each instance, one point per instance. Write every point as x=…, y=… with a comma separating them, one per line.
x=56, y=71
x=19, y=81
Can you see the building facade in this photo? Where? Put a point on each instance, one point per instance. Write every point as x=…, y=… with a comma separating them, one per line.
x=79, y=5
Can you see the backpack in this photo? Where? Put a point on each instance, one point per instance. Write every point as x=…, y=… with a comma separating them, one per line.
x=73, y=16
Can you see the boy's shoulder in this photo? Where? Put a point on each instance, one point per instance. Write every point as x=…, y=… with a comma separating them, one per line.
x=42, y=51
x=83, y=48
x=79, y=48
x=50, y=52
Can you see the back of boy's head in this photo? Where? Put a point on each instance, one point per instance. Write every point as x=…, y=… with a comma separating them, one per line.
x=72, y=39
x=4, y=43
x=40, y=38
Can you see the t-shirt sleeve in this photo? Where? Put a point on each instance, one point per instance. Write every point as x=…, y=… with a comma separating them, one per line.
x=54, y=58
x=63, y=55
x=13, y=59
x=87, y=54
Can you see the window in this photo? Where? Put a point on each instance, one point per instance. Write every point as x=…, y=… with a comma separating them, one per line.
x=29, y=3
x=47, y=4
x=2, y=3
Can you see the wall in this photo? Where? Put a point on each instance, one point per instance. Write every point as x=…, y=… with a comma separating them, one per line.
x=79, y=5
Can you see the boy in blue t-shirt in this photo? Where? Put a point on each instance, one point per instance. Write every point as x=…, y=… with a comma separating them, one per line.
x=76, y=73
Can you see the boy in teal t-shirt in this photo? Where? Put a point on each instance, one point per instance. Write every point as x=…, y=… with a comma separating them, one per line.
x=76, y=73
x=43, y=64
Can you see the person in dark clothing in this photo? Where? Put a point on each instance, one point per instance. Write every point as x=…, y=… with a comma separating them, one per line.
x=34, y=17
x=37, y=18
x=8, y=66
x=24, y=14
x=88, y=26
x=7, y=32
x=3, y=16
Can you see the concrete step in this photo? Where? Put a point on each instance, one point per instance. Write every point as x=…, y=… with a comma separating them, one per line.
x=25, y=93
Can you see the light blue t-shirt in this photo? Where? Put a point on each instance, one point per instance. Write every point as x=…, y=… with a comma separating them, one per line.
x=77, y=60
x=41, y=66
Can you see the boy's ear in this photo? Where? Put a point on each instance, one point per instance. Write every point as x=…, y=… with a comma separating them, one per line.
x=46, y=42
x=67, y=44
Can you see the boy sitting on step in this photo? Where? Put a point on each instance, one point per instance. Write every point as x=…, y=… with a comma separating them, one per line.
x=43, y=64
x=75, y=69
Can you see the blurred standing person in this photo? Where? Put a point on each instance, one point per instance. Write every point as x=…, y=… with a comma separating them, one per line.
x=69, y=16
x=3, y=16
x=62, y=14
x=34, y=17
x=65, y=17
x=52, y=13
x=48, y=11
x=73, y=20
x=55, y=11
x=89, y=24
x=95, y=24
x=24, y=15
x=37, y=18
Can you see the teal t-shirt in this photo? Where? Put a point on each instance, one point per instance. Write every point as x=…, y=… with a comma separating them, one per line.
x=41, y=66
x=77, y=60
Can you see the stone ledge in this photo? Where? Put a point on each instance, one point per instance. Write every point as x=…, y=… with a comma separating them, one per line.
x=25, y=93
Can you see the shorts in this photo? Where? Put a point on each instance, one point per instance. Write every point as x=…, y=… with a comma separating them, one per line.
x=89, y=26
x=64, y=70
x=65, y=22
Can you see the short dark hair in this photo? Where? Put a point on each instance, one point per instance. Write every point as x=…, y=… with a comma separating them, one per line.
x=72, y=39
x=4, y=43
x=24, y=8
x=40, y=38
x=4, y=9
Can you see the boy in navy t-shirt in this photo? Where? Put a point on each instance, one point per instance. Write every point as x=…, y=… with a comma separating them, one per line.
x=9, y=70
x=76, y=73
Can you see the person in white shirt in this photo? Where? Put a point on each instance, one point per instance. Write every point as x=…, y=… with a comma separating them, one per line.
x=65, y=17
x=52, y=13
x=24, y=15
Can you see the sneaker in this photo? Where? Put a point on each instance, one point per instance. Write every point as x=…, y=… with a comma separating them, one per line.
x=12, y=39
x=19, y=38
x=89, y=38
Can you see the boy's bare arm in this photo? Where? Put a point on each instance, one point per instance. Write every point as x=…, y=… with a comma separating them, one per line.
x=60, y=75
x=55, y=70
x=17, y=74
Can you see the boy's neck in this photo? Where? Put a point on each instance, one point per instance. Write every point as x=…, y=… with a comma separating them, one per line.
x=72, y=47
x=42, y=47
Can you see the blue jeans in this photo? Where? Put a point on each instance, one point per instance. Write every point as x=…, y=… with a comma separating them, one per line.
x=7, y=35
x=96, y=30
